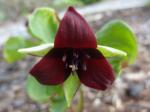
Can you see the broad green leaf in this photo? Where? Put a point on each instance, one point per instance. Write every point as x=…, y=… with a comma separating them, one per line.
x=58, y=103
x=71, y=86
x=111, y=52
x=39, y=92
x=30, y=42
x=10, y=49
x=40, y=50
x=118, y=34
x=43, y=24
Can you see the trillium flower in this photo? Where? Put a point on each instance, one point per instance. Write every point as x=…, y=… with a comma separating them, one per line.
x=74, y=51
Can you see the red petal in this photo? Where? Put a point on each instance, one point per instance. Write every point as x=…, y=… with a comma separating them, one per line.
x=96, y=73
x=74, y=32
x=51, y=69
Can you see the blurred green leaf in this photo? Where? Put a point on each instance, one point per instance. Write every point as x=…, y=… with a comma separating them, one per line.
x=118, y=34
x=71, y=86
x=62, y=3
x=39, y=92
x=10, y=49
x=30, y=42
x=89, y=1
x=58, y=103
x=43, y=24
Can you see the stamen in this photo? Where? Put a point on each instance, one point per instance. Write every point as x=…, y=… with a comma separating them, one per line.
x=88, y=56
x=64, y=58
x=84, y=67
x=75, y=55
x=73, y=67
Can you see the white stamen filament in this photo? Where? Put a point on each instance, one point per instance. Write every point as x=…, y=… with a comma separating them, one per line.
x=73, y=67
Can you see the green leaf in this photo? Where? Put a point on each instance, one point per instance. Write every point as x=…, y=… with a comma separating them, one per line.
x=39, y=92
x=30, y=42
x=40, y=50
x=43, y=24
x=62, y=3
x=71, y=86
x=10, y=49
x=58, y=103
x=118, y=34
x=111, y=52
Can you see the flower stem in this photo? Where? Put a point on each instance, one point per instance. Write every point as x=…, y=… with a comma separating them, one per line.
x=80, y=105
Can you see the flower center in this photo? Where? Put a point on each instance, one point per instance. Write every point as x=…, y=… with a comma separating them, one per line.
x=73, y=60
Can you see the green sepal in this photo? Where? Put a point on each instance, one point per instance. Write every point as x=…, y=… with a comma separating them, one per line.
x=71, y=85
x=41, y=50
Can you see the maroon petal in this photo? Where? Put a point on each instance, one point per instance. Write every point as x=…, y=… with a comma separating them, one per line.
x=74, y=32
x=51, y=69
x=96, y=71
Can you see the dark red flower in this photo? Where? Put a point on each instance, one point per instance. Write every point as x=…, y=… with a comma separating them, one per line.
x=74, y=51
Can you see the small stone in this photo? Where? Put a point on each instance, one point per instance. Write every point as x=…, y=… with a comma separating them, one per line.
x=134, y=90
x=97, y=102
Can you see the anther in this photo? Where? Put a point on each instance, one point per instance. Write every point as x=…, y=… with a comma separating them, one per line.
x=75, y=55
x=88, y=56
x=73, y=67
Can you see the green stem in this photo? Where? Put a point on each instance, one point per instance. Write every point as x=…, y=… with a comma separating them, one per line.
x=80, y=105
